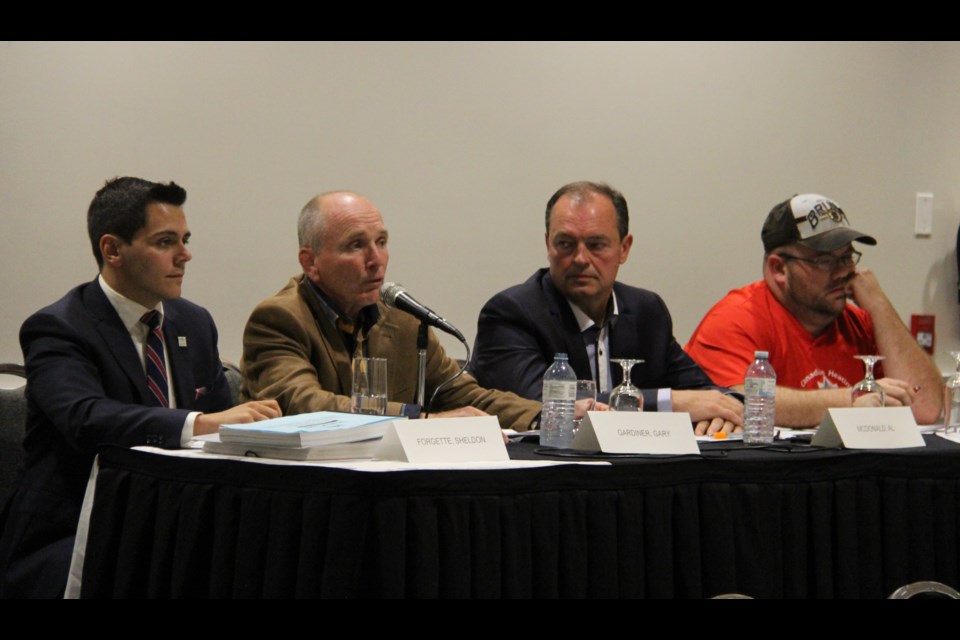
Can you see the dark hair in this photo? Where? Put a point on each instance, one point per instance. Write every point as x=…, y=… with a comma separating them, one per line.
x=120, y=208
x=601, y=188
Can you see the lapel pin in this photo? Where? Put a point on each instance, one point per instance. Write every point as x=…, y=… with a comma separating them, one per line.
x=182, y=341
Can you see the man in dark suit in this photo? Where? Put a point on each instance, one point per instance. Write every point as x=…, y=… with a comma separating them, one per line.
x=577, y=307
x=119, y=361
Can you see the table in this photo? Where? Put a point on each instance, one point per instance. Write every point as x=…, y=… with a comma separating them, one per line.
x=794, y=523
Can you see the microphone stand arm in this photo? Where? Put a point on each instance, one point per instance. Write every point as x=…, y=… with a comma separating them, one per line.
x=421, y=363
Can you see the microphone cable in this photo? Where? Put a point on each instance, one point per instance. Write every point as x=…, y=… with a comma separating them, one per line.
x=433, y=396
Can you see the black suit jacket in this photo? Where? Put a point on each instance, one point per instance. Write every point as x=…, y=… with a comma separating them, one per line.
x=86, y=389
x=520, y=330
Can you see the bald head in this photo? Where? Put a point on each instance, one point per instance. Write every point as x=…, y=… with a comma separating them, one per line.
x=315, y=214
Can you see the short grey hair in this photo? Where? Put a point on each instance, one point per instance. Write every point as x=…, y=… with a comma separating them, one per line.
x=311, y=222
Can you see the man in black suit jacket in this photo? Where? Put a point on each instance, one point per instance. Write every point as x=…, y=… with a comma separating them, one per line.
x=577, y=307
x=87, y=385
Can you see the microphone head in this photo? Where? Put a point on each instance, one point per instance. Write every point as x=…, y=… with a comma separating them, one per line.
x=389, y=292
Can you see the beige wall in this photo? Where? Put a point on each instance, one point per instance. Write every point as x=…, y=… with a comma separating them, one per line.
x=462, y=144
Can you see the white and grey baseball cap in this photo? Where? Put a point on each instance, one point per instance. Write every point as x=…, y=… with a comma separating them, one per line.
x=814, y=221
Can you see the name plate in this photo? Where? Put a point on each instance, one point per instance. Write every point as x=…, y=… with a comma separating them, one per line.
x=869, y=428
x=473, y=439
x=637, y=432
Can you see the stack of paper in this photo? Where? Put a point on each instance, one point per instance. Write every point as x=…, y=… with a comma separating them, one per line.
x=345, y=451
x=324, y=435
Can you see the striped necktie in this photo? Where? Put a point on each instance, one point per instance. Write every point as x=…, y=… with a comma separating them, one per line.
x=156, y=370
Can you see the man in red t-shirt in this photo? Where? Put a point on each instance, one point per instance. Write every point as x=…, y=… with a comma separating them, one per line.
x=799, y=313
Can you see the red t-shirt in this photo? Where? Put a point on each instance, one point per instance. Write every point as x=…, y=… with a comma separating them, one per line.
x=751, y=319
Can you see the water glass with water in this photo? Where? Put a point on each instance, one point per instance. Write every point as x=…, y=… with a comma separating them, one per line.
x=369, y=393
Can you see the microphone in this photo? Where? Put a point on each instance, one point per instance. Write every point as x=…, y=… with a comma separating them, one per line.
x=394, y=295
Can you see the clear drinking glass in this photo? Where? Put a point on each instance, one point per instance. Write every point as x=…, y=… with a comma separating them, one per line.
x=951, y=399
x=369, y=393
x=625, y=396
x=586, y=401
x=868, y=386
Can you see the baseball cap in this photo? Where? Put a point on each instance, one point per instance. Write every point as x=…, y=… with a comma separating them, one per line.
x=814, y=221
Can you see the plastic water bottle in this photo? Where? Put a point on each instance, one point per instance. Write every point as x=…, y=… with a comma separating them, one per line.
x=559, y=395
x=758, y=410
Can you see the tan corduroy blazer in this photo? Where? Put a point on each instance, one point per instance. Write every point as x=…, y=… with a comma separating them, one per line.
x=294, y=353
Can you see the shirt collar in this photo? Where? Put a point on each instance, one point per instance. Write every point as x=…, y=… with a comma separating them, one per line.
x=129, y=311
x=585, y=322
x=369, y=315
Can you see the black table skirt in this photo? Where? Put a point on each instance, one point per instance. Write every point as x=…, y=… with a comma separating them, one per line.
x=769, y=524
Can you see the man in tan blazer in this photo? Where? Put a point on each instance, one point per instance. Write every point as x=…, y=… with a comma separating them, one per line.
x=298, y=345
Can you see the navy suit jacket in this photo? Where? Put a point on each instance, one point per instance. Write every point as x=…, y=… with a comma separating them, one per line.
x=520, y=330
x=86, y=389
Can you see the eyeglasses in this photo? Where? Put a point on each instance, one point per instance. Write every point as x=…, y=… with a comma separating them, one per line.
x=827, y=263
